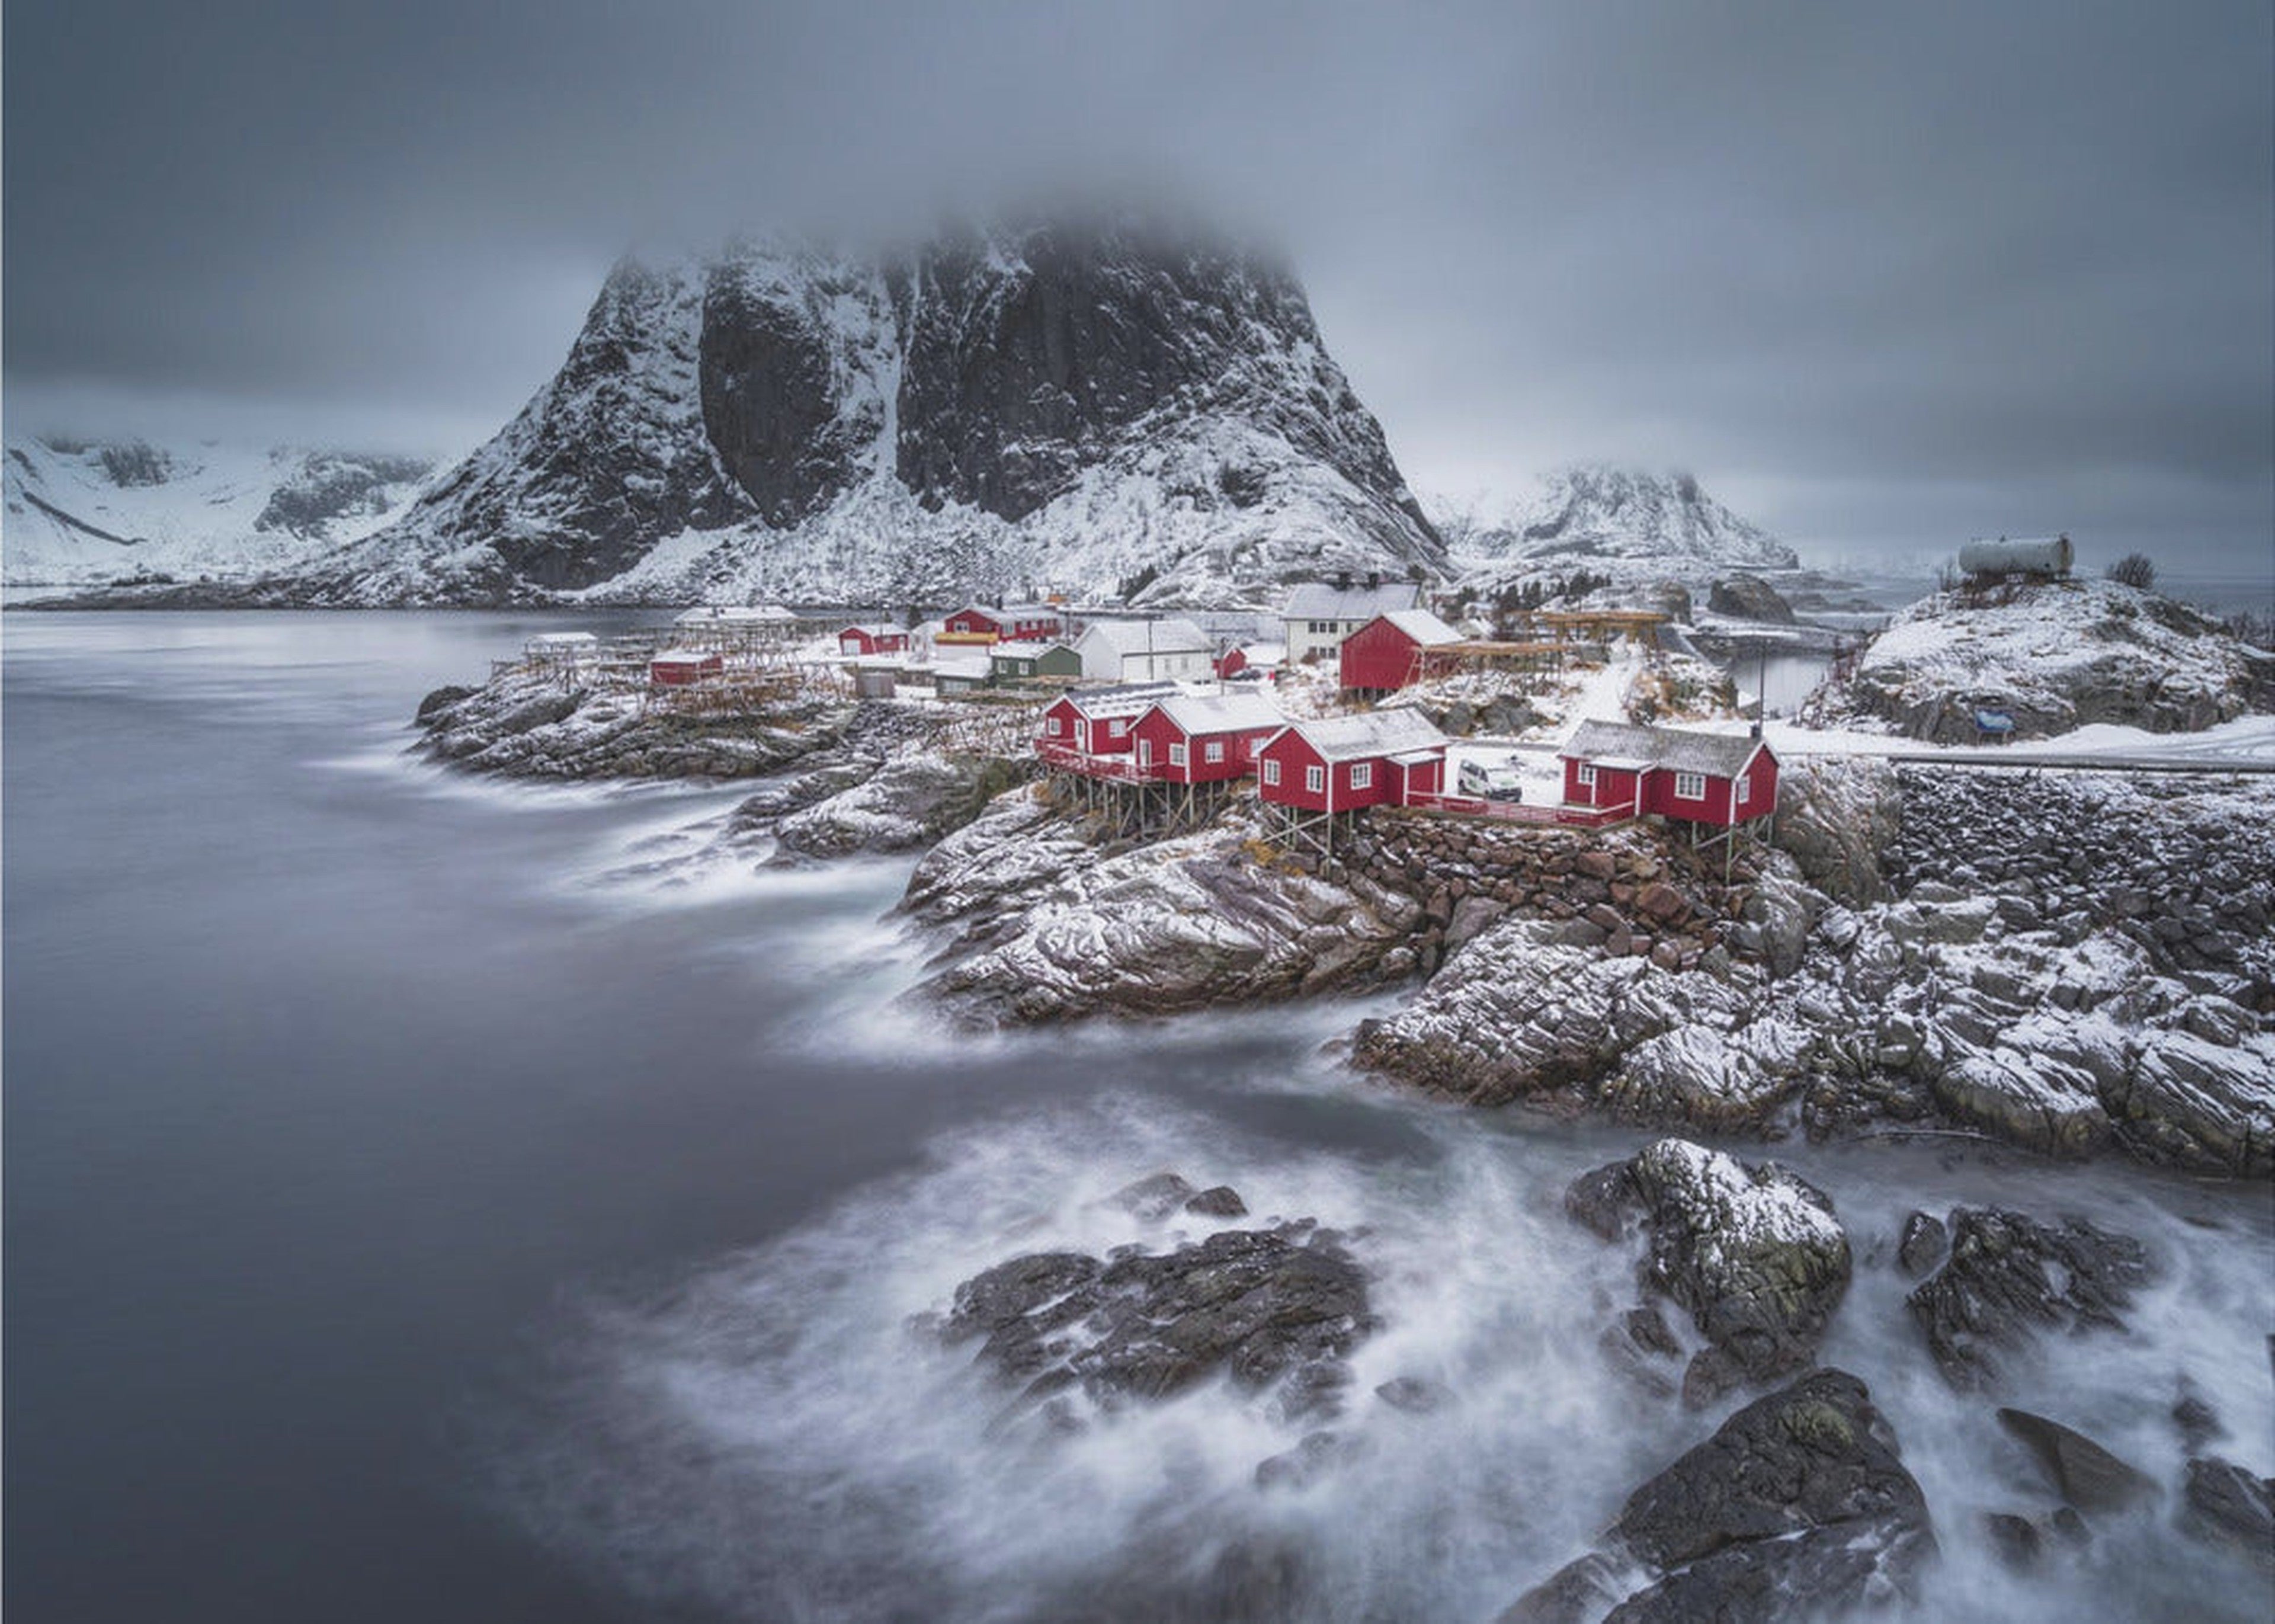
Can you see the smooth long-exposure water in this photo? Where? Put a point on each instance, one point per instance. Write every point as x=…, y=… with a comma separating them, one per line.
x=436, y=1199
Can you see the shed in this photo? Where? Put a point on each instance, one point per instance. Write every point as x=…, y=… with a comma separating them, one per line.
x=677, y=668
x=1026, y=661
x=1392, y=651
x=963, y=675
x=1204, y=738
x=1145, y=651
x=1377, y=759
x=1263, y=658
x=1716, y=778
x=870, y=639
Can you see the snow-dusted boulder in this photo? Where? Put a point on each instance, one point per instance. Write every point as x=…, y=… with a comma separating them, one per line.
x=1836, y=816
x=1754, y=1255
x=2009, y=1277
x=918, y=795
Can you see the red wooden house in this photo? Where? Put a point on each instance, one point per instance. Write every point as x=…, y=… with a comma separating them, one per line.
x=677, y=668
x=1010, y=622
x=1264, y=659
x=1096, y=722
x=1393, y=650
x=873, y=638
x=1379, y=758
x=1203, y=738
x=1717, y=778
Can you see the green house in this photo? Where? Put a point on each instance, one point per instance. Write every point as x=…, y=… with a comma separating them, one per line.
x=1011, y=662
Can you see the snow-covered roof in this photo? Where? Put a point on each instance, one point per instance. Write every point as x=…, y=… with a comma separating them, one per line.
x=1010, y=611
x=563, y=639
x=1031, y=648
x=974, y=666
x=873, y=629
x=734, y=614
x=1627, y=744
x=1424, y=627
x=1174, y=636
x=1370, y=733
x=1319, y=600
x=1220, y=713
x=1121, y=699
x=1264, y=653
x=683, y=656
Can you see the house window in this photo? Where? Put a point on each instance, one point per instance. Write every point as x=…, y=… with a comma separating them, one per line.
x=1144, y=752
x=1362, y=775
x=1587, y=774
x=1690, y=786
x=1213, y=750
x=1176, y=755
x=1315, y=779
x=1272, y=771
x=1745, y=787
x=1117, y=728
x=1058, y=726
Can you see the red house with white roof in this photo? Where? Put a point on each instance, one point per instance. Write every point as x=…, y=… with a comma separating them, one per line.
x=873, y=638
x=1011, y=623
x=1096, y=722
x=1717, y=778
x=1379, y=758
x=1203, y=738
x=1393, y=650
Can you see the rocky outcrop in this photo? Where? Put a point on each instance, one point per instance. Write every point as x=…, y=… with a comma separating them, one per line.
x=1753, y=1255
x=909, y=801
x=1749, y=597
x=1797, y=1507
x=1837, y=816
x=535, y=725
x=2009, y=1278
x=1275, y=1310
x=2053, y=655
x=1046, y=925
x=2087, y=1477
x=2223, y=1505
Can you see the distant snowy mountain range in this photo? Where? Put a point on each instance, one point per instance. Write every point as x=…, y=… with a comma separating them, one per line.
x=1101, y=412
x=88, y=513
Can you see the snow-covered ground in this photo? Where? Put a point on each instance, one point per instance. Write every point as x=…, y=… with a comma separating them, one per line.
x=2244, y=742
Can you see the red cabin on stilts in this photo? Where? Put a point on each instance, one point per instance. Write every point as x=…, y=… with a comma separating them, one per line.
x=1393, y=650
x=1343, y=763
x=1722, y=778
x=1204, y=738
x=677, y=667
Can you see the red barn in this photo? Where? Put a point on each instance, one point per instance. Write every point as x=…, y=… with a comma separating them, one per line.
x=1264, y=659
x=1380, y=759
x=879, y=638
x=1718, y=778
x=1393, y=650
x=677, y=668
x=1203, y=738
x=1012, y=622
x=1096, y=722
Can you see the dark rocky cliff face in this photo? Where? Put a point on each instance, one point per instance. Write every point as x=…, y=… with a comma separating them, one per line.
x=769, y=393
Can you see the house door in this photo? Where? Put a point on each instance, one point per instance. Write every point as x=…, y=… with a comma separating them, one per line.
x=1144, y=752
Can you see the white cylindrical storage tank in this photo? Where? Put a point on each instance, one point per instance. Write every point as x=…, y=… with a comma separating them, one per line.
x=2037, y=555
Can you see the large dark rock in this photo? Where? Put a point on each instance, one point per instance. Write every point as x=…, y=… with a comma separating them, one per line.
x=1275, y=1309
x=2084, y=1474
x=2009, y=1277
x=1753, y=1254
x=1798, y=1506
x=1749, y=597
x=2223, y=1504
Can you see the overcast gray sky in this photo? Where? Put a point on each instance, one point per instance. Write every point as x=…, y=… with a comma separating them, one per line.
x=1884, y=276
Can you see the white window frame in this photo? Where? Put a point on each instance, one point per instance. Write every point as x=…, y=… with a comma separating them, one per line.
x=1690, y=786
x=1272, y=771
x=1587, y=774
x=1315, y=779
x=1213, y=750
x=1144, y=752
x=1058, y=726
x=1745, y=789
x=1117, y=726
x=1361, y=776
x=1177, y=754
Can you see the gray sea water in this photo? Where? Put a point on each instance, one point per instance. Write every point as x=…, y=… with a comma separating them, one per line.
x=430, y=1199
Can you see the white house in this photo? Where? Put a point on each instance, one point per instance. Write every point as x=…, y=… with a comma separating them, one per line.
x=1318, y=616
x=1146, y=651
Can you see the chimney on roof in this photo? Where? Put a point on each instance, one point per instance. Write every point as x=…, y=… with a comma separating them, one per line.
x=1373, y=580
x=1342, y=580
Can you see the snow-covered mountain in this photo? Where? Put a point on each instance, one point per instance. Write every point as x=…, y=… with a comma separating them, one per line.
x=1096, y=410
x=1607, y=520
x=81, y=513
